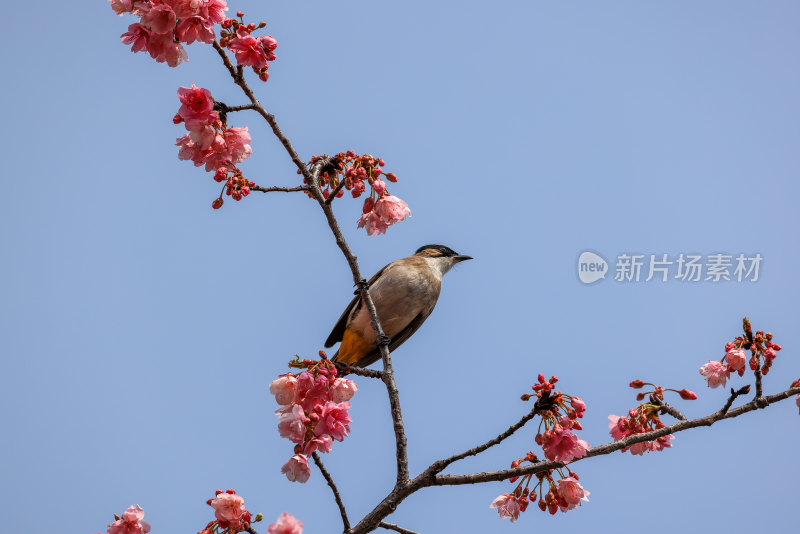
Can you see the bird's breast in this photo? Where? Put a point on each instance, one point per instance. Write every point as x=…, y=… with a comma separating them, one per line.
x=400, y=294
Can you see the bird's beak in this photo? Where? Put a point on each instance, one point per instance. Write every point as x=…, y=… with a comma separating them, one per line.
x=462, y=257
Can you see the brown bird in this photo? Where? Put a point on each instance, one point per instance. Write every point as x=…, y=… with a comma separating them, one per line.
x=405, y=293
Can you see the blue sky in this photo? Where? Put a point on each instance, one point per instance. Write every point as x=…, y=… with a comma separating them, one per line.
x=141, y=329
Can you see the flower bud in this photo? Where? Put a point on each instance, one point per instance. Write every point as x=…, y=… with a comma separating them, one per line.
x=636, y=384
x=687, y=394
x=258, y=518
x=640, y=396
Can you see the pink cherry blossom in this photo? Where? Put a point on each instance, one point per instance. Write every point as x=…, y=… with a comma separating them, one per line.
x=292, y=423
x=392, y=209
x=237, y=140
x=285, y=387
x=736, y=359
x=373, y=222
x=121, y=7
x=618, y=427
x=578, y=405
x=334, y=420
x=342, y=390
x=197, y=106
x=214, y=10
x=160, y=19
x=193, y=29
x=571, y=493
x=507, y=506
x=379, y=186
x=661, y=443
x=137, y=36
x=296, y=469
x=163, y=49
x=203, y=137
x=770, y=354
x=321, y=443
x=132, y=522
x=228, y=509
x=286, y=524
x=248, y=50
x=716, y=374
x=185, y=8
x=563, y=445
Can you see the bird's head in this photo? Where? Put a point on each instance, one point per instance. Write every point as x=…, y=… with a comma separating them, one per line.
x=440, y=257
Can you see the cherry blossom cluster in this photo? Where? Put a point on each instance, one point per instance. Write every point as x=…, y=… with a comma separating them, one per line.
x=314, y=411
x=349, y=171
x=250, y=51
x=231, y=515
x=761, y=349
x=131, y=522
x=645, y=418
x=565, y=494
x=166, y=25
x=560, y=413
x=211, y=143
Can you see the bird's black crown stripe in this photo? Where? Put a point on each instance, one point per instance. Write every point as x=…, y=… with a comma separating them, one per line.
x=445, y=251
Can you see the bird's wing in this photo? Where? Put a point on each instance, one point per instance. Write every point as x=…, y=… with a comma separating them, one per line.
x=338, y=330
x=375, y=354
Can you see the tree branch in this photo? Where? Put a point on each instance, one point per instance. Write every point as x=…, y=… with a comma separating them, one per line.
x=277, y=188
x=313, y=187
x=336, y=496
x=474, y=478
x=396, y=528
x=239, y=80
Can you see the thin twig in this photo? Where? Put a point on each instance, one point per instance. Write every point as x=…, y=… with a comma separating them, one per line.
x=666, y=408
x=734, y=393
x=334, y=193
x=277, y=188
x=396, y=528
x=439, y=465
x=238, y=79
x=336, y=496
x=359, y=371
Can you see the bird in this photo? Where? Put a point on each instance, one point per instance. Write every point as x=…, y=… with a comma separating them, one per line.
x=405, y=293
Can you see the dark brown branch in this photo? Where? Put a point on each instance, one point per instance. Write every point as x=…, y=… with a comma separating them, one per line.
x=450, y=480
x=359, y=371
x=238, y=79
x=250, y=530
x=666, y=408
x=759, y=391
x=311, y=179
x=734, y=393
x=396, y=528
x=277, y=188
x=388, y=372
x=439, y=466
x=334, y=193
x=334, y=489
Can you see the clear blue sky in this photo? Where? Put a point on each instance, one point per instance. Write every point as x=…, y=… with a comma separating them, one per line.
x=141, y=329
